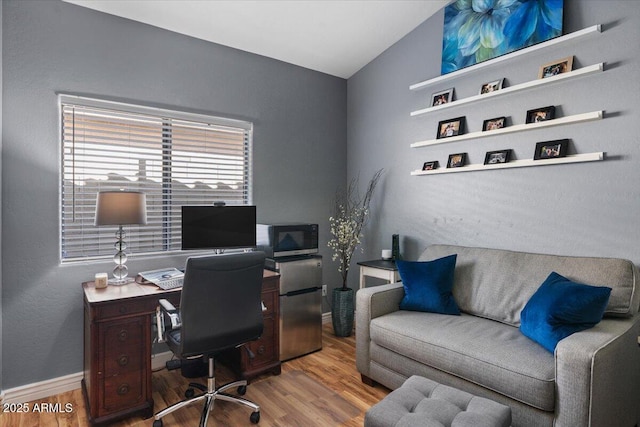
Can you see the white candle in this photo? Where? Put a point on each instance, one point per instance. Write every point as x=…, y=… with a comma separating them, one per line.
x=101, y=280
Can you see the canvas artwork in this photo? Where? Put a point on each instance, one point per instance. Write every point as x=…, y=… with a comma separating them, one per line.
x=478, y=30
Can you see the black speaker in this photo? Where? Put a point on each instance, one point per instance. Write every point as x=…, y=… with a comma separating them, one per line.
x=395, y=246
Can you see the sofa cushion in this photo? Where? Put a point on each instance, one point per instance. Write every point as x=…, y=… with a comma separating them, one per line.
x=420, y=402
x=496, y=284
x=427, y=285
x=560, y=308
x=491, y=354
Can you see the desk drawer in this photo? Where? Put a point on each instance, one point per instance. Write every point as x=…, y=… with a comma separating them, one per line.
x=264, y=348
x=122, y=391
x=269, y=300
x=123, y=308
x=121, y=345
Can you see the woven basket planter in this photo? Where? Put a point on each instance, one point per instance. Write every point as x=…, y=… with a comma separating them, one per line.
x=342, y=309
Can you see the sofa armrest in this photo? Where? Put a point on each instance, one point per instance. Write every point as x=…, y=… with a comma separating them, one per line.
x=597, y=375
x=371, y=303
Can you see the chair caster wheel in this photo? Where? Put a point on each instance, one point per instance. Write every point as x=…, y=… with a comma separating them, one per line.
x=158, y=423
x=188, y=394
x=255, y=417
x=242, y=390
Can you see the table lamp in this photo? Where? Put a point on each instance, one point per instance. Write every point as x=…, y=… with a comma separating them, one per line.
x=120, y=208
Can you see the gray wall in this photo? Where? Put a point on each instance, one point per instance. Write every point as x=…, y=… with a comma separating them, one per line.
x=1, y=291
x=299, y=121
x=578, y=209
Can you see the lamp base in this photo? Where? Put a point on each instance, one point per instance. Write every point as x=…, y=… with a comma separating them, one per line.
x=120, y=282
x=120, y=271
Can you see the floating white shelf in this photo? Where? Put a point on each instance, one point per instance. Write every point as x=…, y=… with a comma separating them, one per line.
x=576, y=158
x=596, y=68
x=558, y=40
x=577, y=118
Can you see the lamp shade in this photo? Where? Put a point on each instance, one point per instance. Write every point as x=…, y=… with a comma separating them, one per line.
x=121, y=208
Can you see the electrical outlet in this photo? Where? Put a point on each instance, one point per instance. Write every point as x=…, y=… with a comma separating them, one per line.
x=324, y=290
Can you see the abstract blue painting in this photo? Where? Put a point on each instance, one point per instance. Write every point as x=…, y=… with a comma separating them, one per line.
x=478, y=30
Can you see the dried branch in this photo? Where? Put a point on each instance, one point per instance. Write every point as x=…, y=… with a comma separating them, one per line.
x=351, y=214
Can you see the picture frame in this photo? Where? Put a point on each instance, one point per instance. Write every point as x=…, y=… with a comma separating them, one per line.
x=551, y=149
x=442, y=97
x=428, y=166
x=498, y=156
x=457, y=160
x=491, y=86
x=451, y=127
x=559, y=66
x=500, y=29
x=541, y=114
x=494, y=124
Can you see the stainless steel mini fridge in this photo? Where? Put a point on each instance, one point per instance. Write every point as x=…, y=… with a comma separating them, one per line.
x=300, y=305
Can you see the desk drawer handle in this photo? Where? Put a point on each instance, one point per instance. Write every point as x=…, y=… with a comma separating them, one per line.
x=123, y=389
x=261, y=350
x=123, y=309
x=123, y=335
x=123, y=360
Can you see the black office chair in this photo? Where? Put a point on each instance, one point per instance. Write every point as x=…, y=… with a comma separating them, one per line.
x=220, y=308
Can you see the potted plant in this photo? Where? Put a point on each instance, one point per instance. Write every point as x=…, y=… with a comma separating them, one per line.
x=351, y=213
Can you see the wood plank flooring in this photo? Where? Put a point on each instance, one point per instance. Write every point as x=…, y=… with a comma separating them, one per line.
x=320, y=389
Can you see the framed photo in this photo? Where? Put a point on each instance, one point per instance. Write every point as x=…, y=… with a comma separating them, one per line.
x=493, y=124
x=451, y=127
x=551, y=149
x=541, y=114
x=491, y=86
x=499, y=156
x=444, y=97
x=471, y=27
x=429, y=166
x=556, y=67
x=457, y=160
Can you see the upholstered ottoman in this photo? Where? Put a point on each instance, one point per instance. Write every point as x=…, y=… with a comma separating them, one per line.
x=420, y=402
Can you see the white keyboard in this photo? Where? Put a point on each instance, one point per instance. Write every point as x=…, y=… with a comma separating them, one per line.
x=175, y=282
x=165, y=278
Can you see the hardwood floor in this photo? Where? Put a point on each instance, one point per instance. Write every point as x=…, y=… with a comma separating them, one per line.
x=320, y=389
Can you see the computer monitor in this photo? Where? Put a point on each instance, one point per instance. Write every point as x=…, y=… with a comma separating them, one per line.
x=218, y=227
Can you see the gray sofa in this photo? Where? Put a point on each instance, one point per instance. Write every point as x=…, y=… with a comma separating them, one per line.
x=592, y=379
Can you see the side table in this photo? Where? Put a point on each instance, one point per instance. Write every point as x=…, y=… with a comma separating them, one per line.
x=380, y=268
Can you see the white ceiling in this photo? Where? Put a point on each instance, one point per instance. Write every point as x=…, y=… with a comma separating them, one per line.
x=336, y=37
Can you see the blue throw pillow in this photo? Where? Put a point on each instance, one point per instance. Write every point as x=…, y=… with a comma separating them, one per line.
x=560, y=308
x=427, y=285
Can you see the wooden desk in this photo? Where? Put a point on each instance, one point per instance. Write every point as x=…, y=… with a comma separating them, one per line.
x=117, y=346
x=380, y=268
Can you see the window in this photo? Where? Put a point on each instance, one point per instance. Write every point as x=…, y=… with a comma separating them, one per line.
x=175, y=158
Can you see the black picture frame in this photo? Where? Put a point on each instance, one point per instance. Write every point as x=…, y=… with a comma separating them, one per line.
x=451, y=127
x=457, y=160
x=541, y=114
x=442, y=97
x=428, y=166
x=494, y=124
x=551, y=149
x=491, y=86
x=498, y=156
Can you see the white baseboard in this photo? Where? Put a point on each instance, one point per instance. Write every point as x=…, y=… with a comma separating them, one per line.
x=42, y=389
x=159, y=360
x=326, y=317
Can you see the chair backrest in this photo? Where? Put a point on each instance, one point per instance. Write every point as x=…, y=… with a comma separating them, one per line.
x=220, y=306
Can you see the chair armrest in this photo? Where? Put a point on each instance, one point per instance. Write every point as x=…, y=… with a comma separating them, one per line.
x=597, y=375
x=371, y=303
x=169, y=315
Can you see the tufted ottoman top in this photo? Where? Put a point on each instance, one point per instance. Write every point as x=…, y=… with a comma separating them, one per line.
x=421, y=402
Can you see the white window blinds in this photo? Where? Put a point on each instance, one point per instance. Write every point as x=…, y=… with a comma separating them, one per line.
x=175, y=158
